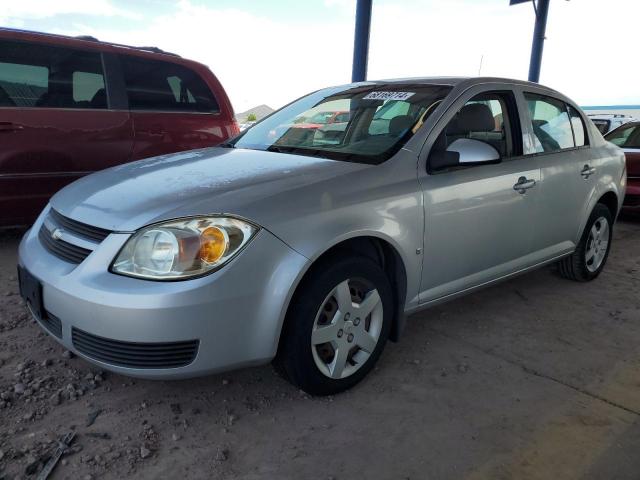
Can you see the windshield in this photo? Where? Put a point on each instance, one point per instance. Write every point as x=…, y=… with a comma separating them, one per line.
x=626, y=136
x=321, y=117
x=377, y=121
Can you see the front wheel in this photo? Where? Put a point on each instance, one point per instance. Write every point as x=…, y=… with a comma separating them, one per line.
x=337, y=326
x=590, y=255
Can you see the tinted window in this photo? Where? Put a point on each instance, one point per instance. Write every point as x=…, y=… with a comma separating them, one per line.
x=602, y=125
x=164, y=86
x=551, y=126
x=578, y=127
x=35, y=75
x=626, y=136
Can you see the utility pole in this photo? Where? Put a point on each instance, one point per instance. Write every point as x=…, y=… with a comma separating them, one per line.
x=361, y=41
x=541, y=9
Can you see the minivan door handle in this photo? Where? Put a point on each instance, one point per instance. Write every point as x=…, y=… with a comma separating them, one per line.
x=587, y=171
x=10, y=127
x=524, y=184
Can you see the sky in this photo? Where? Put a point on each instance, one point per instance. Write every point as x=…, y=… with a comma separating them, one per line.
x=272, y=52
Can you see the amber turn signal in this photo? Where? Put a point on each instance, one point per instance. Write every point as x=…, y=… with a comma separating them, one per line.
x=213, y=244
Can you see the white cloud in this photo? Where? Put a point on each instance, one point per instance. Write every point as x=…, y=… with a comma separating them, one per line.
x=38, y=9
x=268, y=59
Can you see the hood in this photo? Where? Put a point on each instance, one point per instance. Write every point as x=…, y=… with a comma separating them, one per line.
x=198, y=182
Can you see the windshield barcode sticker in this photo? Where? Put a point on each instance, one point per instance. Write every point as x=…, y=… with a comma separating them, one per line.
x=388, y=95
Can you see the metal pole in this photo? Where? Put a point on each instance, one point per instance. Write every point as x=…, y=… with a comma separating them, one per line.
x=538, y=40
x=361, y=41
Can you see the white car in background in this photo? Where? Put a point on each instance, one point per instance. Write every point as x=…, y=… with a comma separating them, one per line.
x=606, y=122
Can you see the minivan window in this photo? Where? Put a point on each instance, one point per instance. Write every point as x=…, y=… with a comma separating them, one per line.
x=44, y=76
x=578, y=127
x=163, y=86
x=551, y=126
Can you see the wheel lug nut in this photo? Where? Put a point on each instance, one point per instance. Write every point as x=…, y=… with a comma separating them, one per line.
x=356, y=322
x=340, y=333
x=350, y=338
x=347, y=316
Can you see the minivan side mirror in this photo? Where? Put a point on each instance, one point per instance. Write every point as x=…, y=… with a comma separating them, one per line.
x=463, y=151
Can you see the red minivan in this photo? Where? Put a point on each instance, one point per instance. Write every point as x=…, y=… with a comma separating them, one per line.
x=71, y=106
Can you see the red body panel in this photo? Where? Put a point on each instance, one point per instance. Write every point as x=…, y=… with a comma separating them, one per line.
x=632, y=198
x=43, y=149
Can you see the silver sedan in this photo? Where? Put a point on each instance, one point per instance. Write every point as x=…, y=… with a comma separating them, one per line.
x=309, y=245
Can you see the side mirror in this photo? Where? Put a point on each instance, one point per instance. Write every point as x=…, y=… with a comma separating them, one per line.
x=463, y=151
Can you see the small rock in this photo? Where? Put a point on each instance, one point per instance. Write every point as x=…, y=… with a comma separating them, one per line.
x=68, y=354
x=144, y=452
x=222, y=455
x=54, y=399
x=19, y=388
x=27, y=416
x=231, y=419
x=462, y=368
x=175, y=437
x=47, y=362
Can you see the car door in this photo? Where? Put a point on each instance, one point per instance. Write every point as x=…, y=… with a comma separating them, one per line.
x=55, y=124
x=567, y=168
x=478, y=218
x=172, y=107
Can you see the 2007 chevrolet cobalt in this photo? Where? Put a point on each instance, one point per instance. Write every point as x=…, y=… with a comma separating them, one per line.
x=310, y=245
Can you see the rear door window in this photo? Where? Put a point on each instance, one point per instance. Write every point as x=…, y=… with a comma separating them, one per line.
x=163, y=86
x=577, y=124
x=44, y=76
x=550, y=122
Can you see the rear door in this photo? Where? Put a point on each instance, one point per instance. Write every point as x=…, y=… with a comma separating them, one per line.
x=172, y=107
x=478, y=227
x=55, y=124
x=567, y=168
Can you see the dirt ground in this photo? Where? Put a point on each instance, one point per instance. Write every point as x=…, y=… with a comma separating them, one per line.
x=535, y=378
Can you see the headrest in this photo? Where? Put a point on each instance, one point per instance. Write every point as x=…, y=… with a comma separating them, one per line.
x=398, y=125
x=474, y=117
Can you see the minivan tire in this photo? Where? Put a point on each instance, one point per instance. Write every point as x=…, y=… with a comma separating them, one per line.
x=298, y=359
x=576, y=266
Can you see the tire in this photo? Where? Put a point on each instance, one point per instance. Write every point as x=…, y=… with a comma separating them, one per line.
x=590, y=256
x=355, y=337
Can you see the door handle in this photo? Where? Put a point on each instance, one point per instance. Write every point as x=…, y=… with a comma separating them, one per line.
x=524, y=184
x=10, y=127
x=587, y=171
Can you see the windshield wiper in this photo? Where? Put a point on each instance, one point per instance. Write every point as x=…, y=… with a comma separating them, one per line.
x=227, y=145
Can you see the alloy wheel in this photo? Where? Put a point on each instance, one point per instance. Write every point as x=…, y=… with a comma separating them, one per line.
x=347, y=328
x=597, y=244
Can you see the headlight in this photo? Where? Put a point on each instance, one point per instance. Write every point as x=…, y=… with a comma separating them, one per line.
x=181, y=249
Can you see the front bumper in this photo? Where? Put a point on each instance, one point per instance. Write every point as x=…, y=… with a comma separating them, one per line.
x=234, y=314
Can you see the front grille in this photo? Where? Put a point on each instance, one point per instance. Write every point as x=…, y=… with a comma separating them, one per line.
x=52, y=324
x=134, y=354
x=65, y=250
x=78, y=228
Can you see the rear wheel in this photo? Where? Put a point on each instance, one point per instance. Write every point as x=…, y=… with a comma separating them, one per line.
x=590, y=256
x=337, y=326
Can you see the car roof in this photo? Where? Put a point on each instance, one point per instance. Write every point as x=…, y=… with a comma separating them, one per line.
x=82, y=41
x=455, y=81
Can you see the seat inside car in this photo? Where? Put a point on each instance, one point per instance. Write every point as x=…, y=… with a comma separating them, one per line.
x=399, y=125
x=476, y=121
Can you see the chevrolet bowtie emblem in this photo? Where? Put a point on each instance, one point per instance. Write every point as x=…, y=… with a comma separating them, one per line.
x=56, y=234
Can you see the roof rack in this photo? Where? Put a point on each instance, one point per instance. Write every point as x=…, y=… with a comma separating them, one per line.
x=90, y=38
